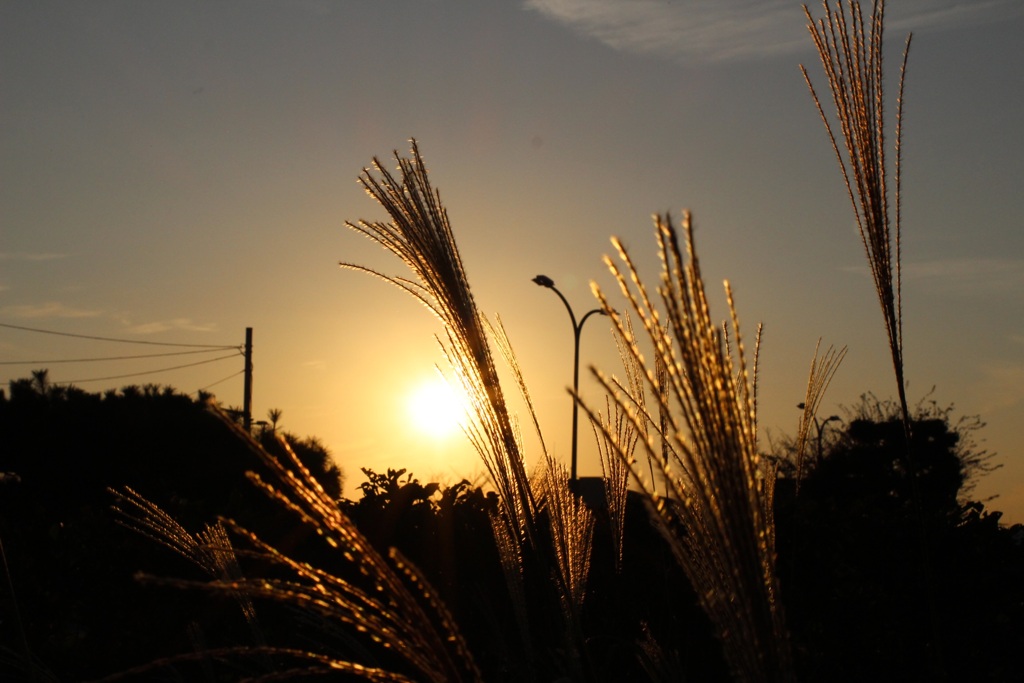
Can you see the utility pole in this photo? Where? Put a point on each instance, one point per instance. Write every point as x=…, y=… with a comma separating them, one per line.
x=247, y=392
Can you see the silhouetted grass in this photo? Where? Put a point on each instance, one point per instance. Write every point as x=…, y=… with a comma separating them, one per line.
x=420, y=235
x=386, y=602
x=717, y=516
x=823, y=368
x=852, y=60
x=689, y=405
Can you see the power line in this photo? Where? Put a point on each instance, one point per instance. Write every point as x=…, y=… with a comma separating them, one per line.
x=114, y=339
x=231, y=376
x=245, y=351
x=149, y=372
x=107, y=358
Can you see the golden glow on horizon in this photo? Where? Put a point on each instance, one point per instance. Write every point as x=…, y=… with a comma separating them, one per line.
x=436, y=409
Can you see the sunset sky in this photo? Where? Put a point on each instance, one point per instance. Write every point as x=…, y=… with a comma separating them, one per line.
x=176, y=172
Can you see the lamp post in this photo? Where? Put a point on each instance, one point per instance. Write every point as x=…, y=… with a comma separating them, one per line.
x=545, y=281
x=821, y=431
x=820, y=426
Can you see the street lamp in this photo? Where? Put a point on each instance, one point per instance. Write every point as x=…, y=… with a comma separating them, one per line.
x=820, y=426
x=821, y=431
x=545, y=281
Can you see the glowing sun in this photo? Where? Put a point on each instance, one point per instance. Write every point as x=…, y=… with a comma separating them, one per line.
x=436, y=409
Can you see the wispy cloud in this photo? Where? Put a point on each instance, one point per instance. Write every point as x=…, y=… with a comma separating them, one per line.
x=50, y=309
x=1001, y=386
x=969, y=275
x=966, y=275
x=158, y=326
x=30, y=256
x=694, y=31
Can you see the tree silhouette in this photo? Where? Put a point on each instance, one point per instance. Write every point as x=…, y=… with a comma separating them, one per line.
x=274, y=415
x=849, y=546
x=71, y=566
x=41, y=380
x=846, y=543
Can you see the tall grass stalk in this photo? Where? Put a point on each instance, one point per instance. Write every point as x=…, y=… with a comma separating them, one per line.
x=615, y=470
x=421, y=236
x=851, y=55
x=624, y=434
x=391, y=613
x=571, y=524
x=718, y=516
x=210, y=549
x=823, y=368
x=386, y=601
x=852, y=60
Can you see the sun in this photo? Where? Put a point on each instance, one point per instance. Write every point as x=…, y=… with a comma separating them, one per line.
x=436, y=409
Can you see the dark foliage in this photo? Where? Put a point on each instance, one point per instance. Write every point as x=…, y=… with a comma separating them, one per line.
x=886, y=571
x=446, y=532
x=72, y=567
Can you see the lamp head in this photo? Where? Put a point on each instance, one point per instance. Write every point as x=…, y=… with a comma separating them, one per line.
x=544, y=281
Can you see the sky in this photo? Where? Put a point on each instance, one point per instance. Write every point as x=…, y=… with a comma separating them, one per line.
x=177, y=172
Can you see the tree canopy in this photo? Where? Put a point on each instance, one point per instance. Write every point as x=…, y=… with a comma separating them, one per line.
x=71, y=565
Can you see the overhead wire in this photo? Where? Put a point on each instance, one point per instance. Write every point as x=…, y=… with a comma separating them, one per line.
x=115, y=339
x=225, y=379
x=197, y=349
x=148, y=372
x=109, y=358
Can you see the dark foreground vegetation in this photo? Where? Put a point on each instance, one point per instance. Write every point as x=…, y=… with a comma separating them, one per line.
x=146, y=536
x=880, y=572
x=70, y=602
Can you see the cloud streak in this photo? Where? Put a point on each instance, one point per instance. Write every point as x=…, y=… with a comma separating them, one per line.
x=158, y=326
x=1000, y=387
x=969, y=275
x=30, y=256
x=50, y=309
x=697, y=31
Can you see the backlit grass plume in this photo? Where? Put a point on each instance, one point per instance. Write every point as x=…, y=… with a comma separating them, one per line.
x=386, y=602
x=571, y=524
x=823, y=368
x=615, y=470
x=420, y=235
x=614, y=430
x=718, y=516
x=210, y=550
x=851, y=54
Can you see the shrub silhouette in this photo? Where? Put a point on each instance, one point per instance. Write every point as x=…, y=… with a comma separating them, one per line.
x=852, y=567
x=71, y=565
